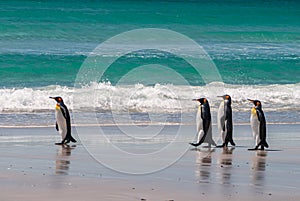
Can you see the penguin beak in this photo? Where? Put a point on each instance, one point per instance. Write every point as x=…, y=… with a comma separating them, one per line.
x=198, y=100
x=250, y=100
x=220, y=97
x=51, y=97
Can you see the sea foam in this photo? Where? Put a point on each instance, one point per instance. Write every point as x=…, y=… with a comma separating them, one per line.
x=157, y=98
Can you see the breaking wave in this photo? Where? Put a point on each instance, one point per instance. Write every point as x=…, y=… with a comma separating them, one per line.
x=157, y=98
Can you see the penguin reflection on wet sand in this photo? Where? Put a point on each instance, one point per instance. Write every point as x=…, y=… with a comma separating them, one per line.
x=203, y=164
x=204, y=124
x=225, y=124
x=258, y=125
x=63, y=123
x=258, y=168
x=62, y=162
x=225, y=161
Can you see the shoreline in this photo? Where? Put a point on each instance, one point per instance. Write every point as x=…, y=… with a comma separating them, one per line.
x=141, y=124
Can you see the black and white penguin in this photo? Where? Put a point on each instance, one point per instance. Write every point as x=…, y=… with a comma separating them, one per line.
x=204, y=125
x=225, y=124
x=258, y=125
x=63, y=123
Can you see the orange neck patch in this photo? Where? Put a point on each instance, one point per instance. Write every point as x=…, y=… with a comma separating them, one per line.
x=253, y=111
x=57, y=106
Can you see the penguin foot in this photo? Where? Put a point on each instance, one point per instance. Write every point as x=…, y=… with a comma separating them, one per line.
x=71, y=139
x=193, y=144
x=59, y=143
x=221, y=146
x=253, y=149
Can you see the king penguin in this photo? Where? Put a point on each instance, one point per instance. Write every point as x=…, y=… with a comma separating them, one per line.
x=63, y=123
x=204, y=125
x=258, y=125
x=225, y=124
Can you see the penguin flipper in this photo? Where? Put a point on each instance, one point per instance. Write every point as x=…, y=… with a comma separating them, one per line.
x=200, y=139
x=56, y=126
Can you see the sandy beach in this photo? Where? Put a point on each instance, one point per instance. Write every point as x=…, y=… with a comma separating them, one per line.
x=33, y=168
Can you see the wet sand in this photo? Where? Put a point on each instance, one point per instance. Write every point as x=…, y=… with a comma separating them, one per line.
x=33, y=168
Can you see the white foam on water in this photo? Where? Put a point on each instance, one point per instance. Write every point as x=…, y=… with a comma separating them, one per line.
x=140, y=98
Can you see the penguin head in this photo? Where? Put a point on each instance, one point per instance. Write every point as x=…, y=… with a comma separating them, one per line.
x=257, y=103
x=226, y=97
x=58, y=99
x=202, y=101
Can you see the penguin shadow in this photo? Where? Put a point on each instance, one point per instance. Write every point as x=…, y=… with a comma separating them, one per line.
x=203, y=164
x=225, y=162
x=62, y=161
x=259, y=167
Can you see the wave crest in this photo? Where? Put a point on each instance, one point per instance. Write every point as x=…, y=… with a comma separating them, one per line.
x=158, y=98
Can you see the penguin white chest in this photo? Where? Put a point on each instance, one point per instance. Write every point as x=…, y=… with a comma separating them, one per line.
x=221, y=111
x=254, y=123
x=221, y=116
x=61, y=122
x=199, y=120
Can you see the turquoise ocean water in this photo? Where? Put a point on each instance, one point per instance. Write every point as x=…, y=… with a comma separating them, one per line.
x=255, y=46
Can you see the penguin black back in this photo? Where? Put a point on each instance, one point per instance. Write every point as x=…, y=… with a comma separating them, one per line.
x=262, y=124
x=226, y=123
x=228, y=118
x=66, y=115
x=203, y=123
x=205, y=114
